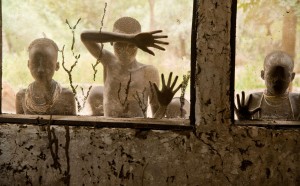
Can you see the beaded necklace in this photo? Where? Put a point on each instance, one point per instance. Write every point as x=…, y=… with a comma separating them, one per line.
x=31, y=100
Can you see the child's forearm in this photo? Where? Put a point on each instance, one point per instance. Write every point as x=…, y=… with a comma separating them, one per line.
x=103, y=37
x=160, y=113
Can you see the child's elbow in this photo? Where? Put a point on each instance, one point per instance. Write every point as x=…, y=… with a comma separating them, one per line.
x=83, y=36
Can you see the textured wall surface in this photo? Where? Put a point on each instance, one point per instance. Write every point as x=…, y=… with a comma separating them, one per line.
x=216, y=153
x=239, y=156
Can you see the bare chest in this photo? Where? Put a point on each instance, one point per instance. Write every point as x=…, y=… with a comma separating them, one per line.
x=132, y=80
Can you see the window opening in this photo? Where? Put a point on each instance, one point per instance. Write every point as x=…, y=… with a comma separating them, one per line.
x=79, y=71
x=267, y=61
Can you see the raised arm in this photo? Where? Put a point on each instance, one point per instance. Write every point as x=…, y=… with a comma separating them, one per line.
x=104, y=37
x=142, y=40
x=91, y=40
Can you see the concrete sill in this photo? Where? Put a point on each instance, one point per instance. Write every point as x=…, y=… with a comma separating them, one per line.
x=273, y=124
x=98, y=121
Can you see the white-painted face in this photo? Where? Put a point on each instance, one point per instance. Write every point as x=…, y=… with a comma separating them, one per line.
x=42, y=62
x=126, y=52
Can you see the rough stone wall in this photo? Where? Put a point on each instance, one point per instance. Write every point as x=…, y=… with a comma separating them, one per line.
x=216, y=153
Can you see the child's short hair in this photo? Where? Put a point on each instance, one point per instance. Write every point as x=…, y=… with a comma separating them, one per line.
x=279, y=58
x=43, y=41
x=127, y=25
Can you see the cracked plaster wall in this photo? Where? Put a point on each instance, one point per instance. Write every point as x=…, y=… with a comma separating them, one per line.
x=216, y=153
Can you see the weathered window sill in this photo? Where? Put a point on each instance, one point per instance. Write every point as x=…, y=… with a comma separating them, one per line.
x=98, y=121
x=274, y=124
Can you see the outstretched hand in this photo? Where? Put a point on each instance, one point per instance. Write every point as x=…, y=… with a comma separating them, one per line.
x=149, y=39
x=243, y=111
x=166, y=94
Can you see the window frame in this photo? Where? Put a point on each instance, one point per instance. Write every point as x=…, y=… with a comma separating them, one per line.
x=99, y=121
x=271, y=124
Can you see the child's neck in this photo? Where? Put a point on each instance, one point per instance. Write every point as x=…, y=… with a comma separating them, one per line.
x=44, y=86
x=131, y=66
x=268, y=93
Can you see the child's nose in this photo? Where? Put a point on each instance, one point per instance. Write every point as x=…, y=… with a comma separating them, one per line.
x=41, y=67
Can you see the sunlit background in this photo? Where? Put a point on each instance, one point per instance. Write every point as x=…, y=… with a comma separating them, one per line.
x=25, y=20
x=262, y=27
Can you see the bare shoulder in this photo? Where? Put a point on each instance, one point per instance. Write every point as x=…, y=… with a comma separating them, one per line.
x=20, y=97
x=295, y=97
x=150, y=70
x=67, y=93
x=108, y=58
x=256, y=98
x=67, y=96
x=21, y=94
x=256, y=95
x=151, y=74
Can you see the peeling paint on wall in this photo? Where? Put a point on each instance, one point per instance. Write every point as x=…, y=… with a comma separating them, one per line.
x=213, y=157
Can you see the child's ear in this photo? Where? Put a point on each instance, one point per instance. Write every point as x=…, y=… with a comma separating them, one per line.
x=57, y=66
x=262, y=74
x=293, y=76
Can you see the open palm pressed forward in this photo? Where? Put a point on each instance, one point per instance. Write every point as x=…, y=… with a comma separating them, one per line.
x=149, y=39
x=243, y=110
x=165, y=95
